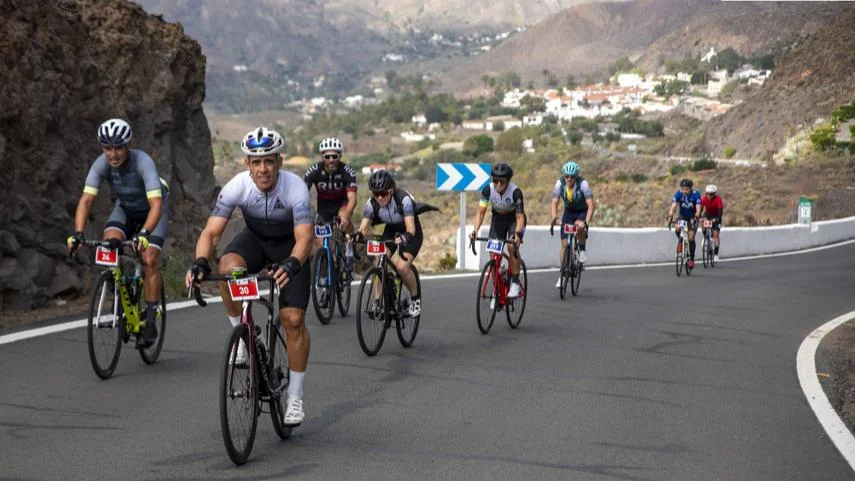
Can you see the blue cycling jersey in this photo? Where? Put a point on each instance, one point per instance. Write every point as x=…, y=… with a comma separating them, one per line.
x=688, y=203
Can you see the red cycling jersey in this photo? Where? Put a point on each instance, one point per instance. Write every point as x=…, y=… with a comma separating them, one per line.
x=712, y=207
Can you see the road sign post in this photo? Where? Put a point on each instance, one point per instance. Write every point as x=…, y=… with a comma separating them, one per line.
x=462, y=177
x=805, y=210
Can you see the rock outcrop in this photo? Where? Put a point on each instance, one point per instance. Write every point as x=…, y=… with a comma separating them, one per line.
x=68, y=65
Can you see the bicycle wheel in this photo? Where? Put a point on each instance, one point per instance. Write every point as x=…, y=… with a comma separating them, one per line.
x=322, y=292
x=343, y=296
x=239, y=406
x=711, y=252
x=407, y=326
x=516, y=306
x=679, y=263
x=565, y=271
x=487, y=297
x=150, y=354
x=105, y=327
x=372, y=313
x=279, y=375
x=704, y=256
x=576, y=270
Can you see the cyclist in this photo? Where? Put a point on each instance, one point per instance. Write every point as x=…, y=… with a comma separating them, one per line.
x=335, y=183
x=712, y=208
x=398, y=210
x=508, y=220
x=578, y=208
x=141, y=209
x=276, y=208
x=689, y=201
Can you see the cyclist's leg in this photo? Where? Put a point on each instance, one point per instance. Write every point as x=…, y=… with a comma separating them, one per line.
x=117, y=224
x=151, y=259
x=716, y=235
x=566, y=218
x=406, y=256
x=246, y=251
x=693, y=228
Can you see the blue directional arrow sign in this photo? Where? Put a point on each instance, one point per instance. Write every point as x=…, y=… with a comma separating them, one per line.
x=460, y=177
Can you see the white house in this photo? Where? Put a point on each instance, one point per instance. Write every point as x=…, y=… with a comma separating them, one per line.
x=419, y=119
x=628, y=79
x=528, y=145
x=512, y=98
x=240, y=68
x=473, y=124
x=719, y=75
x=507, y=120
x=353, y=101
x=684, y=77
x=533, y=119
x=410, y=136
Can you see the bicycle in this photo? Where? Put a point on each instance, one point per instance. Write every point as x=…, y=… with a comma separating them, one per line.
x=330, y=282
x=571, y=268
x=117, y=308
x=493, y=286
x=375, y=316
x=682, y=247
x=707, y=251
x=262, y=378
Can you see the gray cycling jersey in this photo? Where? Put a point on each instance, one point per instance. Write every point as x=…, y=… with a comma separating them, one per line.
x=390, y=215
x=506, y=203
x=269, y=215
x=133, y=183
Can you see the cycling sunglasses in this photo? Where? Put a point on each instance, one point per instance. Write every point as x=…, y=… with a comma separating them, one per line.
x=570, y=177
x=380, y=195
x=500, y=180
x=332, y=157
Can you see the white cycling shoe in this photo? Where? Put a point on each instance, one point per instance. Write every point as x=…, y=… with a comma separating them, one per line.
x=514, y=290
x=294, y=414
x=715, y=259
x=583, y=257
x=415, y=308
x=558, y=282
x=240, y=358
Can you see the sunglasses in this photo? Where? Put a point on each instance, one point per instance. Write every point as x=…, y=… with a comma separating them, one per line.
x=380, y=195
x=570, y=177
x=332, y=157
x=500, y=180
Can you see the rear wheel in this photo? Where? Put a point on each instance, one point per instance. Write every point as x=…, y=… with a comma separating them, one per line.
x=279, y=377
x=565, y=271
x=576, y=270
x=343, y=296
x=106, y=326
x=372, y=312
x=239, y=406
x=407, y=326
x=679, y=263
x=322, y=291
x=487, y=297
x=516, y=306
x=150, y=354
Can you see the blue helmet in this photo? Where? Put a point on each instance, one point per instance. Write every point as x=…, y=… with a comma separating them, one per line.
x=570, y=168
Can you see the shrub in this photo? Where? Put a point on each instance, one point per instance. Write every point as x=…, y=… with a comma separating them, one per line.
x=676, y=169
x=638, y=178
x=703, y=164
x=729, y=152
x=478, y=145
x=823, y=137
x=448, y=262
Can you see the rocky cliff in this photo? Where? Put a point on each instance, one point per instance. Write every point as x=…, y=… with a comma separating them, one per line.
x=67, y=65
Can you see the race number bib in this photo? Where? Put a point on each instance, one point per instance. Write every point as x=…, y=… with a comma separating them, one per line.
x=681, y=224
x=106, y=257
x=324, y=230
x=495, y=246
x=707, y=223
x=375, y=248
x=569, y=228
x=244, y=289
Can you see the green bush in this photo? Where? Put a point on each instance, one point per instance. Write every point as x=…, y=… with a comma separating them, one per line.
x=510, y=141
x=729, y=152
x=638, y=178
x=448, y=262
x=703, y=164
x=478, y=145
x=676, y=169
x=823, y=137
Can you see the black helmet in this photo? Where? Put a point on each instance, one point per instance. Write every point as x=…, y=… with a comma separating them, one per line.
x=686, y=183
x=381, y=180
x=502, y=170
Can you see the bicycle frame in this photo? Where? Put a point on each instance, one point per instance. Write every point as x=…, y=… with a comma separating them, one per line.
x=501, y=286
x=130, y=307
x=389, y=277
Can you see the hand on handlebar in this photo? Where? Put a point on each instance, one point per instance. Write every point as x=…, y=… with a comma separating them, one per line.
x=282, y=273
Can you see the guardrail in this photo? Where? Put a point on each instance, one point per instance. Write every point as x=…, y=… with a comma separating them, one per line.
x=656, y=244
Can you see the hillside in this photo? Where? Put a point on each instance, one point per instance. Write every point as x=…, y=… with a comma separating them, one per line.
x=814, y=79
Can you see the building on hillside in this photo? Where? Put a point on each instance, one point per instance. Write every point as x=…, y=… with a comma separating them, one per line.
x=371, y=168
x=533, y=119
x=410, y=136
x=473, y=124
x=703, y=109
x=719, y=74
x=714, y=87
x=434, y=126
x=628, y=79
x=709, y=55
x=508, y=121
x=512, y=98
x=528, y=146
x=353, y=101
x=419, y=119
x=684, y=77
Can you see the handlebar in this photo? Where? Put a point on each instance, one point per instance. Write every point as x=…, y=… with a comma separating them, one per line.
x=197, y=293
x=473, y=239
x=111, y=244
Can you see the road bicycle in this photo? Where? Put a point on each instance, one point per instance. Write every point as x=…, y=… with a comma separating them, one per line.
x=262, y=378
x=707, y=251
x=683, y=258
x=384, y=298
x=493, y=286
x=117, y=308
x=330, y=282
x=571, y=268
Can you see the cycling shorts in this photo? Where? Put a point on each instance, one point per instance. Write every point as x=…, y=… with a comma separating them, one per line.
x=130, y=222
x=413, y=246
x=570, y=217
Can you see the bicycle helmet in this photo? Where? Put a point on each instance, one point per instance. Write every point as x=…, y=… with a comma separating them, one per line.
x=262, y=141
x=114, y=132
x=381, y=180
x=331, y=143
x=686, y=183
x=711, y=189
x=570, y=168
x=502, y=170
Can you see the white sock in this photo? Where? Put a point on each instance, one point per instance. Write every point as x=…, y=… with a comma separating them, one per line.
x=295, y=385
x=235, y=320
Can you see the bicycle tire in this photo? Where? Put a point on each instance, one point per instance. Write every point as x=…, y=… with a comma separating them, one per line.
x=712, y=252
x=704, y=252
x=277, y=368
x=150, y=354
x=576, y=269
x=319, y=271
x=98, y=329
x=407, y=327
x=565, y=271
x=485, y=319
x=516, y=307
x=240, y=438
x=371, y=340
x=679, y=262
x=343, y=296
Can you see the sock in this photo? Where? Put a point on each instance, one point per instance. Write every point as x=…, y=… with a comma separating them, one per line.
x=235, y=320
x=692, y=250
x=581, y=247
x=295, y=386
x=151, y=311
x=716, y=250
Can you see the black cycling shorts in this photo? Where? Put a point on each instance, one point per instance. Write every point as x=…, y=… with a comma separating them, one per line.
x=503, y=226
x=413, y=246
x=257, y=253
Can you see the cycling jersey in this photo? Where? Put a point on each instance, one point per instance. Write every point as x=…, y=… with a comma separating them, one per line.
x=270, y=215
x=392, y=214
x=133, y=183
x=574, y=197
x=331, y=187
x=687, y=203
x=509, y=202
x=712, y=207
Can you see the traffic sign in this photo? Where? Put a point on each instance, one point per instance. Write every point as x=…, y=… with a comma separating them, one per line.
x=462, y=177
x=805, y=210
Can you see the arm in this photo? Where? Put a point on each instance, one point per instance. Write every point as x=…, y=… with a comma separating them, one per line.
x=479, y=218
x=304, y=237
x=154, y=212
x=346, y=213
x=410, y=224
x=555, y=208
x=591, y=208
x=84, y=206
x=671, y=211
x=210, y=236
x=556, y=196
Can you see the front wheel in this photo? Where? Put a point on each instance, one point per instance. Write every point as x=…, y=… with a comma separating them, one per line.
x=407, y=326
x=487, y=297
x=279, y=377
x=679, y=263
x=106, y=326
x=150, y=354
x=576, y=272
x=516, y=306
x=322, y=289
x=565, y=271
x=239, y=406
x=372, y=312
x=345, y=288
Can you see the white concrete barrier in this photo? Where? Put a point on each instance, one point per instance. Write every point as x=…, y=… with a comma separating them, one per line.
x=656, y=244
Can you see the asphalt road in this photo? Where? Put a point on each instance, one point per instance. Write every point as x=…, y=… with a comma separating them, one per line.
x=644, y=376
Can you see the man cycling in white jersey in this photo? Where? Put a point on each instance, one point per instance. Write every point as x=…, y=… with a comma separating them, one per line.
x=141, y=211
x=277, y=210
x=578, y=209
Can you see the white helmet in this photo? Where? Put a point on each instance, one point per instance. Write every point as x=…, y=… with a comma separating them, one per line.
x=262, y=141
x=115, y=132
x=711, y=189
x=331, y=143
